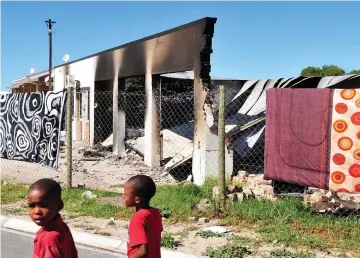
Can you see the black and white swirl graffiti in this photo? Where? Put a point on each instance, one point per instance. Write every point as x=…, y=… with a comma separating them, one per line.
x=3, y=131
x=24, y=144
x=29, y=126
x=53, y=102
x=42, y=147
x=31, y=105
x=36, y=127
x=10, y=149
x=48, y=124
x=3, y=103
x=53, y=144
x=12, y=109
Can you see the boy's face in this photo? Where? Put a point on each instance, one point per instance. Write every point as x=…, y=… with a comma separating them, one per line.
x=130, y=199
x=42, y=208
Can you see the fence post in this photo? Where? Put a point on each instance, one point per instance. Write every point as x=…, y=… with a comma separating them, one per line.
x=69, y=114
x=221, y=148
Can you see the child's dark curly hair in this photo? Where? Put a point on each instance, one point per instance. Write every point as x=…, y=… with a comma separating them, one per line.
x=50, y=188
x=143, y=186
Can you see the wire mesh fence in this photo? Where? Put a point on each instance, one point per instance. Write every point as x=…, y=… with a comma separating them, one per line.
x=184, y=163
x=186, y=143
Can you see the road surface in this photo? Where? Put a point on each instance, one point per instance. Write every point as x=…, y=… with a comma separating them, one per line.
x=20, y=245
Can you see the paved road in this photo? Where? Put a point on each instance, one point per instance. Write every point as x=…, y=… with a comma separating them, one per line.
x=19, y=245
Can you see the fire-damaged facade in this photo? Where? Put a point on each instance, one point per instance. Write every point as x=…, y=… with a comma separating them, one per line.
x=185, y=48
x=156, y=96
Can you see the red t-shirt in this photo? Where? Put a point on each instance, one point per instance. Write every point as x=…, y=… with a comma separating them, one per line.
x=145, y=228
x=54, y=241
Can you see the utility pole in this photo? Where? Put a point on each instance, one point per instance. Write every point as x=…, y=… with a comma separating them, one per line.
x=49, y=23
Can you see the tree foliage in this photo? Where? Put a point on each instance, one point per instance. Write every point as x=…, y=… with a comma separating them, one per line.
x=325, y=70
x=311, y=71
x=332, y=70
x=355, y=71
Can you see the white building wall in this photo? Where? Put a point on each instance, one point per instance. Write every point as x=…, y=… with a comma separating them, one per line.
x=84, y=72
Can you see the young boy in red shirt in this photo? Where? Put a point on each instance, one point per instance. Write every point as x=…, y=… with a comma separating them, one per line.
x=54, y=239
x=146, y=224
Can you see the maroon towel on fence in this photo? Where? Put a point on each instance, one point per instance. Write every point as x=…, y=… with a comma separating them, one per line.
x=297, y=142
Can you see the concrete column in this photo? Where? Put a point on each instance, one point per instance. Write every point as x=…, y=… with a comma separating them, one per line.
x=205, y=154
x=152, y=132
x=118, y=118
x=198, y=163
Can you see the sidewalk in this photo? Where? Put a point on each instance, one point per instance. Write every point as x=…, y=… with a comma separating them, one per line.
x=86, y=239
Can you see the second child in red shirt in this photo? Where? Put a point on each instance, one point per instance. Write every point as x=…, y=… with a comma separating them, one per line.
x=146, y=224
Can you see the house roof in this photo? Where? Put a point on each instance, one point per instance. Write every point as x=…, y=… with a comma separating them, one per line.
x=154, y=36
x=27, y=79
x=188, y=40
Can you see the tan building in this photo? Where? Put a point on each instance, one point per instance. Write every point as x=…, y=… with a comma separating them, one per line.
x=34, y=82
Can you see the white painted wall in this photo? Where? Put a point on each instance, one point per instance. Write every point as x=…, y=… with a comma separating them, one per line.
x=83, y=71
x=59, y=79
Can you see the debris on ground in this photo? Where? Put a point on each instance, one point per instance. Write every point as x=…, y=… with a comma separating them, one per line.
x=323, y=201
x=217, y=230
x=93, y=153
x=203, y=220
x=81, y=186
x=88, y=195
x=81, y=150
x=110, y=222
x=192, y=219
x=101, y=168
x=101, y=148
x=165, y=214
x=204, y=205
x=244, y=186
x=207, y=234
x=90, y=159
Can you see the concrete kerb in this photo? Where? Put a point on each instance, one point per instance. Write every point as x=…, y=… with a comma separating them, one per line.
x=86, y=239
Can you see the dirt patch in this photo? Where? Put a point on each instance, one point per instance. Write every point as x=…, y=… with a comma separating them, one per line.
x=95, y=168
x=18, y=208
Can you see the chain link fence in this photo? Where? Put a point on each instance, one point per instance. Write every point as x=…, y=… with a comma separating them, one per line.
x=187, y=152
x=187, y=148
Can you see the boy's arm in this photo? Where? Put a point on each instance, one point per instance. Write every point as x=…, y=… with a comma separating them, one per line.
x=138, y=237
x=141, y=252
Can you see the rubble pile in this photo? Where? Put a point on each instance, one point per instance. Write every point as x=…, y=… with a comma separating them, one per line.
x=323, y=201
x=97, y=167
x=244, y=187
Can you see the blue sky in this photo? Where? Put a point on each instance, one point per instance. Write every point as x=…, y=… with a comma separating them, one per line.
x=252, y=40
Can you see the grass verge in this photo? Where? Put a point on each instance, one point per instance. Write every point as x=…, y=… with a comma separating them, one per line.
x=288, y=222
x=168, y=241
x=177, y=201
x=234, y=248
x=12, y=192
x=285, y=221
